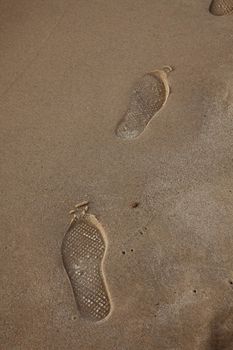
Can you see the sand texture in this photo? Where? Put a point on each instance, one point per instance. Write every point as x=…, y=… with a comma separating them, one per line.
x=161, y=203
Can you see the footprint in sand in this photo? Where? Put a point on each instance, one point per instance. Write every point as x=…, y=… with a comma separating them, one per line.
x=221, y=7
x=83, y=249
x=148, y=96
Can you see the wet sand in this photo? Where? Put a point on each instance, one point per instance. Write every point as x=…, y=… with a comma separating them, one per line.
x=67, y=69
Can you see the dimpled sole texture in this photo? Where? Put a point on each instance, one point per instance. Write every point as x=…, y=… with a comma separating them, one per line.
x=221, y=7
x=147, y=98
x=83, y=249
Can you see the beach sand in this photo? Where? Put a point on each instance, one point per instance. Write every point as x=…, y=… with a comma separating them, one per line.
x=67, y=71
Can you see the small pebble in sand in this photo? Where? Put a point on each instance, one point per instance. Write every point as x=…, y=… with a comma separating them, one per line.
x=134, y=204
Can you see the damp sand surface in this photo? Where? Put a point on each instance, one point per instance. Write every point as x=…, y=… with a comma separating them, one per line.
x=163, y=200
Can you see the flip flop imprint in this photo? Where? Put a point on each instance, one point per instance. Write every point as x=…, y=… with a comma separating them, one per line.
x=147, y=98
x=83, y=250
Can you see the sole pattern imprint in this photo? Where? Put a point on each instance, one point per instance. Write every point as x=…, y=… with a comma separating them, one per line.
x=148, y=96
x=221, y=7
x=83, y=249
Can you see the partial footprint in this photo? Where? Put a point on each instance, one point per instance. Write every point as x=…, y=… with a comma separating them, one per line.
x=83, y=249
x=221, y=7
x=148, y=96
